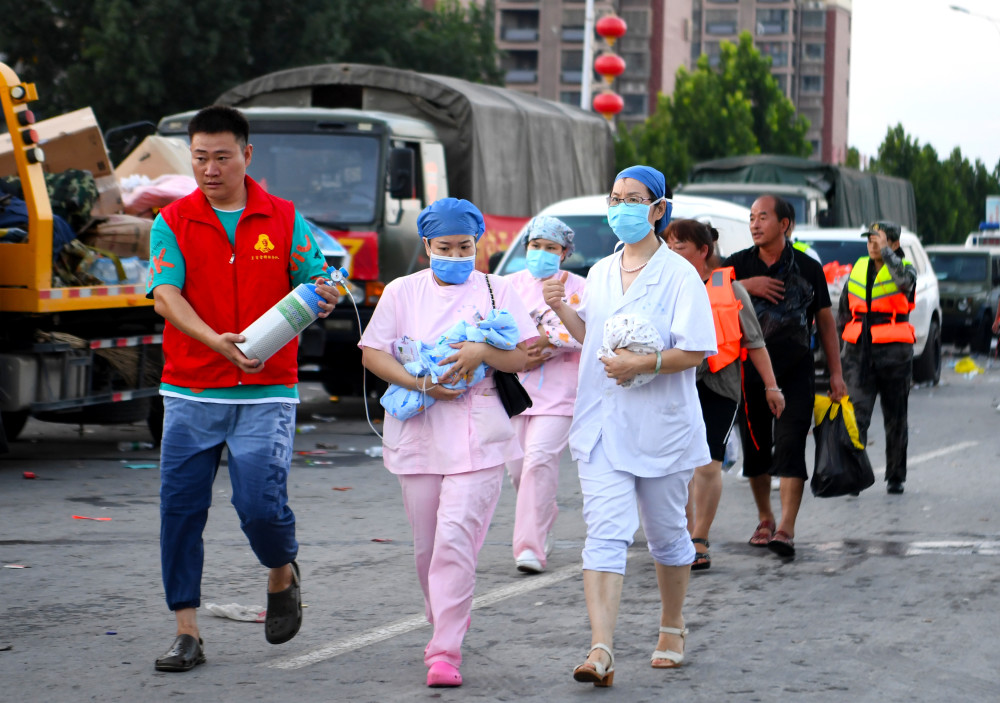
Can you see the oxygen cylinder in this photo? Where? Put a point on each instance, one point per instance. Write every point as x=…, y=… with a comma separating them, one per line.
x=284, y=321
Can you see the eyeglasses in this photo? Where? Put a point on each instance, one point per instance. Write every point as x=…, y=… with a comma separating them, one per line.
x=615, y=201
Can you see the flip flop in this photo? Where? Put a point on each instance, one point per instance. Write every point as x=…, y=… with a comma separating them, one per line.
x=284, y=611
x=702, y=560
x=782, y=545
x=763, y=534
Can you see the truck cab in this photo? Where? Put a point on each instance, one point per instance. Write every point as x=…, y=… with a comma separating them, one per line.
x=363, y=176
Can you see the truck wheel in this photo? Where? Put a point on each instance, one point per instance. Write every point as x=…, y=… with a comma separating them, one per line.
x=13, y=423
x=120, y=413
x=927, y=368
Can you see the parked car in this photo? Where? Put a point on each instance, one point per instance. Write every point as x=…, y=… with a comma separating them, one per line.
x=840, y=248
x=588, y=216
x=969, y=280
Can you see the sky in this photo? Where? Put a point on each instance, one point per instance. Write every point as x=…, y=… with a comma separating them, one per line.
x=934, y=70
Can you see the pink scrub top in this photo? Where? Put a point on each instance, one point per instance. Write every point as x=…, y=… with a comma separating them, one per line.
x=451, y=436
x=552, y=386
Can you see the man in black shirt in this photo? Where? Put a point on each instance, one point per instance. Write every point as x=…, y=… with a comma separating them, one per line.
x=789, y=292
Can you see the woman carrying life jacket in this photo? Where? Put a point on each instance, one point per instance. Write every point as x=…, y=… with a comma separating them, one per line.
x=738, y=335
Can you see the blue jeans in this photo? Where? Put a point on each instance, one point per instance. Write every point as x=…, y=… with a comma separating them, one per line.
x=259, y=439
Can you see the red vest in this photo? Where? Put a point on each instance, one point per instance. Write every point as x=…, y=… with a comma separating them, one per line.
x=886, y=299
x=228, y=288
x=726, y=312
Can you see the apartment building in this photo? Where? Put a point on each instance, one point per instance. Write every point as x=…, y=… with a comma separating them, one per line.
x=808, y=42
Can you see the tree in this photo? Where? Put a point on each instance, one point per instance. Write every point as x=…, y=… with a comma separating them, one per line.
x=133, y=60
x=735, y=108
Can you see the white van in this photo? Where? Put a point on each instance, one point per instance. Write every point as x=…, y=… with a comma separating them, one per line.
x=588, y=217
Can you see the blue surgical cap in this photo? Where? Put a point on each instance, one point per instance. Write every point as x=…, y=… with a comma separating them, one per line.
x=657, y=184
x=450, y=216
x=552, y=229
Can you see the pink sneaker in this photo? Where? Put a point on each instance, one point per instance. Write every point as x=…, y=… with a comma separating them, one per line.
x=442, y=675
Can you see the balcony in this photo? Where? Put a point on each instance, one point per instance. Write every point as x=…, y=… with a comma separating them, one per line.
x=765, y=28
x=521, y=75
x=574, y=77
x=518, y=34
x=573, y=34
x=723, y=28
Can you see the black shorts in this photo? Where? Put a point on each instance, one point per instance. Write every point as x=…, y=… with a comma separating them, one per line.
x=719, y=413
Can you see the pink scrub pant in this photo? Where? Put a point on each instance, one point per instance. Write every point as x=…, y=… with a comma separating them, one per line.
x=536, y=479
x=449, y=516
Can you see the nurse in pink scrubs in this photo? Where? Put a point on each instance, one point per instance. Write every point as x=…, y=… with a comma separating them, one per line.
x=550, y=379
x=450, y=458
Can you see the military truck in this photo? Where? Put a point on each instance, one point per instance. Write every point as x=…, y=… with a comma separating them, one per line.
x=969, y=280
x=361, y=150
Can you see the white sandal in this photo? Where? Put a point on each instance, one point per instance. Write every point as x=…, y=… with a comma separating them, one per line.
x=598, y=675
x=675, y=658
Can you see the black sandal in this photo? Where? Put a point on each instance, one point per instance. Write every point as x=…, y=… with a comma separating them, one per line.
x=284, y=611
x=702, y=560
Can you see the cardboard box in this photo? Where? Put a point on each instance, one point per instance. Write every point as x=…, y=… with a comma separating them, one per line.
x=157, y=156
x=73, y=140
x=109, y=197
x=124, y=235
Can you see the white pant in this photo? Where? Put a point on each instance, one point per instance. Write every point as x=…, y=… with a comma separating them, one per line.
x=612, y=501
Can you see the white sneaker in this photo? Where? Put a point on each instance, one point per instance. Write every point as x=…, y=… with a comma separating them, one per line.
x=528, y=563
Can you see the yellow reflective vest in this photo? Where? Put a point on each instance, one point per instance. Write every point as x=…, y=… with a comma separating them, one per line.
x=890, y=307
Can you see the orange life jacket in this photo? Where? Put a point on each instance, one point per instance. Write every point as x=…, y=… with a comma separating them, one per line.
x=887, y=299
x=726, y=312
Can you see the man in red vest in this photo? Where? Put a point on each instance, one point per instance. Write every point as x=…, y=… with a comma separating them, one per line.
x=878, y=356
x=219, y=259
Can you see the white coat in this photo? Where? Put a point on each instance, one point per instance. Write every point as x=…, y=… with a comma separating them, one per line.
x=655, y=429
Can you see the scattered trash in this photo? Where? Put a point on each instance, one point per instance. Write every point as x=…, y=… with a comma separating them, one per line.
x=314, y=462
x=142, y=466
x=324, y=418
x=326, y=445
x=16, y=566
x=375, y=451
x=83, y=517
x=134, y=446
x=29, y=474
x=966, y=365
x=304, y=429
x=318, y=452
x=235, y=611
x=381, y=539
x=341, y=488
x=111, y=632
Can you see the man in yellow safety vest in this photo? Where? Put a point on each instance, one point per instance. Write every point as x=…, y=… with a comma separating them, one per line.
x=878, y=355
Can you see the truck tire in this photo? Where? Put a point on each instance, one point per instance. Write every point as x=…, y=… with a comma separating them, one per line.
x=927, y=367
x=13, y=422
x=121, y=413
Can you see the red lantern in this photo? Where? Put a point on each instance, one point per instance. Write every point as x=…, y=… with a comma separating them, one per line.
x=608, y=104
x=611, y=27
x=610, y=66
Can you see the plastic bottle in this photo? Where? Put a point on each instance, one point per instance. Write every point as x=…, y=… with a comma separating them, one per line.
x=134, y=446
x=135, y=270
x=284, y=321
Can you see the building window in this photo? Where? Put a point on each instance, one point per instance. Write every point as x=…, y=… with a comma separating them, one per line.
x=519, y=25
x=813, y=19
x=695, y=50
x=572, y=66
x=778, y=51
x=815, y=52
x=772, y=22
x=636, y=63
x=572, y=25
x=521, y=66
x=636, y=105
x=720, y=22
x=812, y=84
x=782, y=81
x=814, y=143
x=637, y=21
x=570, y=97
x=713, y=51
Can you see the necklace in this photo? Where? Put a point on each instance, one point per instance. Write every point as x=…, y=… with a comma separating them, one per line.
x=621, y=262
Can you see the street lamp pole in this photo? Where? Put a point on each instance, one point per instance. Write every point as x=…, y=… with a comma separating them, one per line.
x=586, y=82
x=992, y=20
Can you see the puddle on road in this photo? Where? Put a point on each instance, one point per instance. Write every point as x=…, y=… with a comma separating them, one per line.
x=888, y=548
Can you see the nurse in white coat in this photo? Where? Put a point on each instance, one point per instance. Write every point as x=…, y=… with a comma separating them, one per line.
x=637, y=447
x=450, y=486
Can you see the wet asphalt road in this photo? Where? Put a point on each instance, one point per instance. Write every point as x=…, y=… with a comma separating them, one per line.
x=890, y=599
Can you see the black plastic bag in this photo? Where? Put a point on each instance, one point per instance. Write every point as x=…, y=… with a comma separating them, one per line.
x=512, y=394
x=842, y=465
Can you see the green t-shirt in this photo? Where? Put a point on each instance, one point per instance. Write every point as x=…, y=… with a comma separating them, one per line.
x=167, y=266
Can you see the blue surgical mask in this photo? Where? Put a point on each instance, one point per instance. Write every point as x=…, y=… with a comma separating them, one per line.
x=541, y=263
x=453, y=269
x=630, y=223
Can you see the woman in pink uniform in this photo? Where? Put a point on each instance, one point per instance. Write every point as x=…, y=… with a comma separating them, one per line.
x=550, y=378
x=450, y=458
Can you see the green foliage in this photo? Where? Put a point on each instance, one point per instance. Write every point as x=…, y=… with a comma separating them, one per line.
x=133, y=60
x=732, y=109
x=950, y=194
x=853, y=159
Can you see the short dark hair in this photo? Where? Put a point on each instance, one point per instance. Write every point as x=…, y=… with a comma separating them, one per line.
x=216, y=119
x=698, y=233
x=783, y=209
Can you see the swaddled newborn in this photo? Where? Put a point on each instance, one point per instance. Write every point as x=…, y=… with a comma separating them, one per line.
x=632, y=332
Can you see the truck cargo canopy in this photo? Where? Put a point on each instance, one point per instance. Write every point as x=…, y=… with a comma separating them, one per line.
x=855, y=198
x=508, y=152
